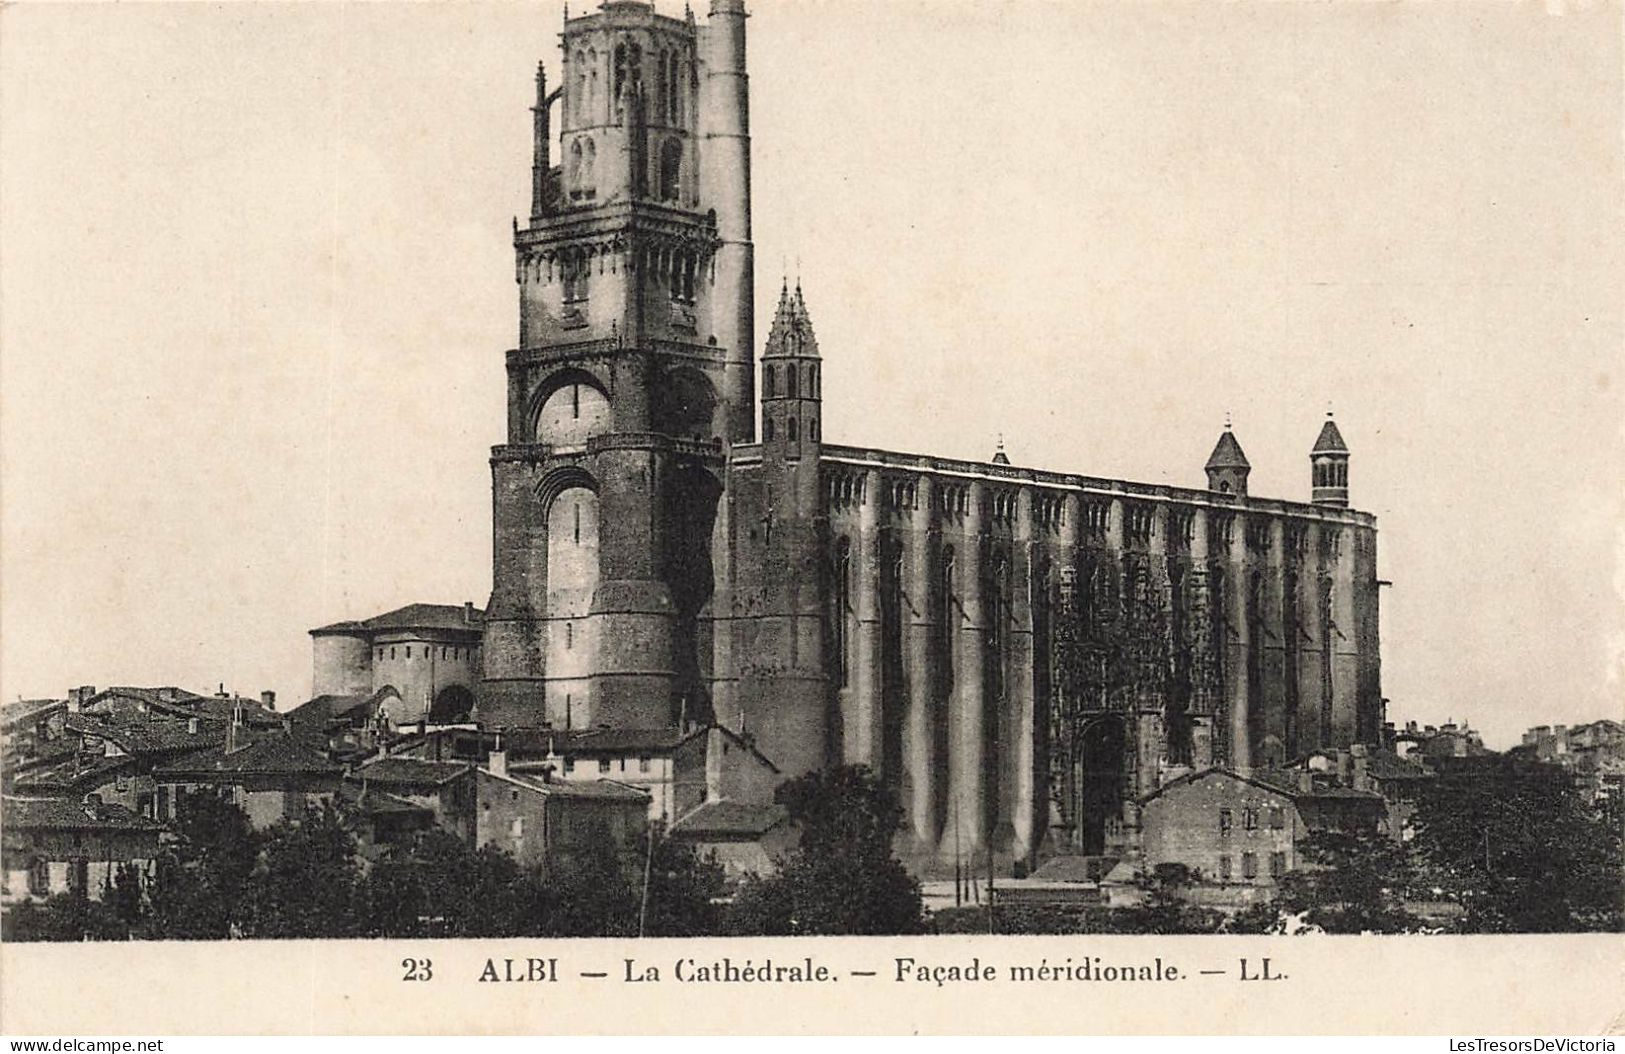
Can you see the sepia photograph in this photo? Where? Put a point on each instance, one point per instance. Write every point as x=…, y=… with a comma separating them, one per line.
x=808, y=469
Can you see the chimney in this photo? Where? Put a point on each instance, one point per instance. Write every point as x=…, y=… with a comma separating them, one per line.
x=1306, y=781
x=236, y=732
x=78, y=697
x=268, y=699
x=468, y=612
x=497, y=760
x=191, y=726
x=221, y=693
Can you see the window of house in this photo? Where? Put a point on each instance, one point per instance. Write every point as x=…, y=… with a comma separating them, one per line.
x=643, y=764
x=603, y=764
x=1249, y=865
x=1224, y=868
x=79, y=876
x=569, y=764
x=767, y=427
x=39, y=877
x=1226, y=821
x=392, y=651
x=569, y=635
x=1249, y=819
x=1277, y=865
x=790, y=380
x=1277, y=818
x=409, y=651
x=380, y=654
x=795, y=433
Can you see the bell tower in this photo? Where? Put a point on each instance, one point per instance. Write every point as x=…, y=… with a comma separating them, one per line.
x=633, y=373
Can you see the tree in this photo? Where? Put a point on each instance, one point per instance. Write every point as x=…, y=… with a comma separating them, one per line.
x=64, y=917
x=305, y=884
x=200, y=878
x=1351, y=882
x=1515, y=847
x=595, y=895
x=441, y=887
x=842, y=877
x=683, y=891
x=1167, y=907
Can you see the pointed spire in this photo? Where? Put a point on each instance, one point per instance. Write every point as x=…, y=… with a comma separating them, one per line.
x=1330, y=440
x=999, y=456
x=1227, y=452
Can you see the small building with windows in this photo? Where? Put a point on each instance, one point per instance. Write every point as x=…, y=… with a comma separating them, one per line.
x=445, y=789
x=428, y=653
x=64, y=845
x=271, y=778
x=1241, y=833
x=678, y=769
x=545, y=822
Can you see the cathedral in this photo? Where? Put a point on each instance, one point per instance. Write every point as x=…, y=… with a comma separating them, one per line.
x=1020, y=654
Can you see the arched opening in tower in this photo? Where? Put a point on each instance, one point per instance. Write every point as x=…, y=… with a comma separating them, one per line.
x=1100, y=760
x=452, y=705
x=572, y=577
x=691, y=504
x=685, y=406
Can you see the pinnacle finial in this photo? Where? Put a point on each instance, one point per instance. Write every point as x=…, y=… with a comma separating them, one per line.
x=1227, y=422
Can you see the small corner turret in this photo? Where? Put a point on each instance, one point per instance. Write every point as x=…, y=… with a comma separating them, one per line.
x=1227, y=466
x=1329, y=466
x=791, y=405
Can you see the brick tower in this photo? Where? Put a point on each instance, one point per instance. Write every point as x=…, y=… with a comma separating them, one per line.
x=633, y=376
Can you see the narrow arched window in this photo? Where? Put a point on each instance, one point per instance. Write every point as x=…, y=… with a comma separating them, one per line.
x=769, y=390
x=671, y=170
x=767, y=429
x=790, y=382
x=575, y=166
x=812, y=430
x=583, y=73
x=795, y=433
x=676, y=90
x=843, y=604
x=592, y=86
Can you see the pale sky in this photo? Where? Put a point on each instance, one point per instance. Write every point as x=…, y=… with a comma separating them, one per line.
x=256, y=280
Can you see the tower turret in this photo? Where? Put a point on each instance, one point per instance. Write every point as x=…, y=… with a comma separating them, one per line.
x=1329, y=466
x=543, y=181
x=791, y=401
x=725, y=173
x=1227, y=466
